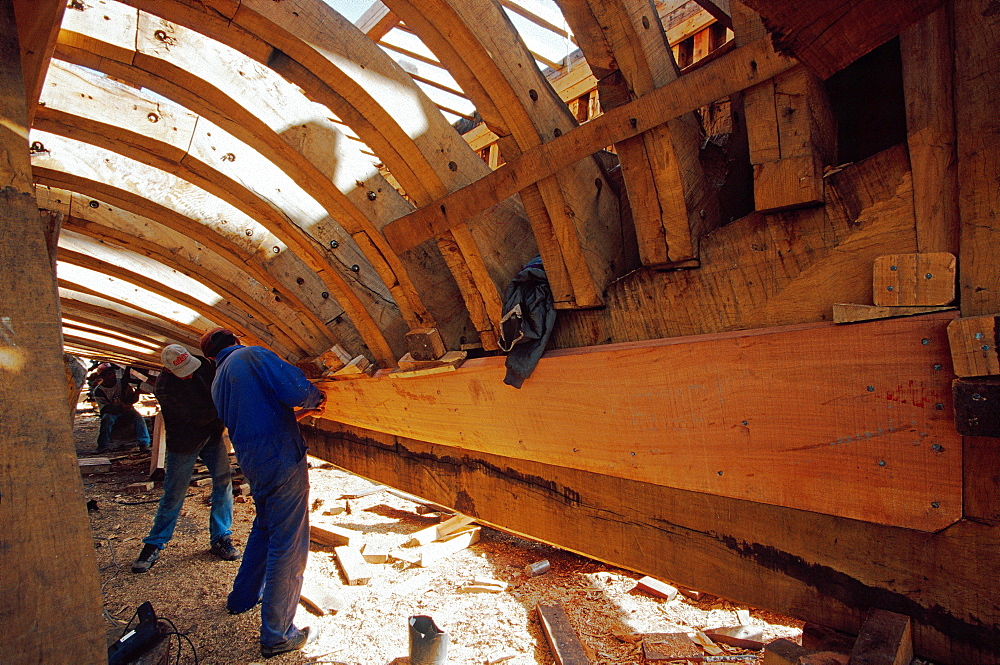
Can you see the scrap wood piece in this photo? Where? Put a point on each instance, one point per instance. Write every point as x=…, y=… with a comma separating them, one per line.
x=367, y=492
x=332, y=535
x=669, y=646
x=743, y=636
x=743, y=616
x=655, y=587
x=706, y=643
x=563, y=640
x=320, y=600
x=973, y=342
x=375, y=552
x=456, y=542
x=94, y=465
x=886, y=638
x=144, y=486
x=914, y=279
x=783, y=652
x=853, y=313
x=424, y=344
x=439, y=531
x=356, y=570
x=359, y=366
x=484, y=585
x=451, y=358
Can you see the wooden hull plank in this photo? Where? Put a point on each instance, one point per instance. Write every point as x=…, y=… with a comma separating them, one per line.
x=854, y=421
x=819, y=568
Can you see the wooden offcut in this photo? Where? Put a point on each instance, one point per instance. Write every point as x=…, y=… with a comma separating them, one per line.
x=356, y=570
x=886, y=638
x=783, y=652
x=332, y=535
x=973, y=341
x=669, y=647
x=723, y=414
x=424, y=344
x=439, y=531
x=452, y=359
x=94, y=465
x=567, y=649
x=453, y=543
x=655, y=587
x=909, y=280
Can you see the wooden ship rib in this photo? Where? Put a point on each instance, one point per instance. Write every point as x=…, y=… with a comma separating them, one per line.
x=707, y=184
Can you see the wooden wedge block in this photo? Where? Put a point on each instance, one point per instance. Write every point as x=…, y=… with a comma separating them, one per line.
x=973, y=341
x=851, y=313
x=359, y=365
x=356, y=570
x=669, y=646
x=424, y=344
x=94, y=465
x=138, y=488
x=332, y=535
x=783, y=652
x=376, y=552
x=914, y=279
x=656, y=588
x=977, y=407
x=320, y=600
x=438, y=531
x=886, y=638
x=451, y=358
x=744, y=637
x=456, y=542
x=200, y=482
x=563, y=640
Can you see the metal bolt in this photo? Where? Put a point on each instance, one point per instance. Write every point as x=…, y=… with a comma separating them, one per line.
x=325, y=295
x=356, y=267
x=881, y=462
x=935, y=504
x=973, y=422
x=372, y=195
x=633, y=454
x=893, y=267
x=979, y=335
x=94, y=204
x=720, y=473
x=925, y=342
x=939, y=406
x=985, y=347
x=249, y=232
x=976, y=397
x=871, y=389
x=576, y=450
x=890, y=288
x=937, y=447
x=928, y=276
x=937, y=366
x=275, y=249
x=334, y=244
x=745, y=423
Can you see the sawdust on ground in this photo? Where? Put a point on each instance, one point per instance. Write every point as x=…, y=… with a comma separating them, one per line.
x=188, y=585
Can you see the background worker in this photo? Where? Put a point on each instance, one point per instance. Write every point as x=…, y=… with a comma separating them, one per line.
x=194, y=430
x=256, y=392
x=115, y=398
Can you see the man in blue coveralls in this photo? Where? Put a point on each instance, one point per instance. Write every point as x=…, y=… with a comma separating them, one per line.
x=255, y=393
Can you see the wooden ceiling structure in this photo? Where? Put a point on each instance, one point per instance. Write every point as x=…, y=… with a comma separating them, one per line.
x=171, y=165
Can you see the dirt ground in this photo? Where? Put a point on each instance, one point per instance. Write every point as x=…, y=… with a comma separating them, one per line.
x=189, y=586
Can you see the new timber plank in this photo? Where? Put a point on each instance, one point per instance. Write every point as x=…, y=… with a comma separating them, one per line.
x=820, y=568
x=563, y=640
x=727, y=414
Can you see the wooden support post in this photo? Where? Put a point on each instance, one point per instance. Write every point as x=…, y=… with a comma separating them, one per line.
x=790, y=128
x=51, y=611
x=926, y=48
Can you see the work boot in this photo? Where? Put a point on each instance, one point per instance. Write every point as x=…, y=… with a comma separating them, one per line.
x=293, y=644
x=224, y=549
x=147, y=557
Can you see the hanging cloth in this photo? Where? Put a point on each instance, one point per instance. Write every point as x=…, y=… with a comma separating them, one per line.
x=528, y=318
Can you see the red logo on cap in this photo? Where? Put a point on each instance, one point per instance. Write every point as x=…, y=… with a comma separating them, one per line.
x=180, y=359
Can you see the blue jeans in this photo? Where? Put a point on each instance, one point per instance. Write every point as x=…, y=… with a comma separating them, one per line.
x=177, y=478
x=108, y=423
x=274, y=558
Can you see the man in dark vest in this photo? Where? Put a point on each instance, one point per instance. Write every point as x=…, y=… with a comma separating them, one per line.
x=193, y=430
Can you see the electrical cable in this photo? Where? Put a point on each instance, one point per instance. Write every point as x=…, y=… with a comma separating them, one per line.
x=179, y=636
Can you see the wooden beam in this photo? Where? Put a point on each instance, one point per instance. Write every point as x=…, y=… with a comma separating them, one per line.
x=377, y=21
x=728, y=74
x=828, y=35
x=673, y=205
x=563, y=641
x=111, y=346
x=79, y=326
x=37, y=26
x=95, y=301
x=686, y=413
x=819, y=568
x=927, y=52
x=43, y=507
x=720, y=11
x=104, y=316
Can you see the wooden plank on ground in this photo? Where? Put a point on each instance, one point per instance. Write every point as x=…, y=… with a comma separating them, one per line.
x=567, y=649
x=356, y=570
x=451, y=544
x=669, y=646
x=332, y=535
x=724, y=414
x=439, y=531
x=94, y=465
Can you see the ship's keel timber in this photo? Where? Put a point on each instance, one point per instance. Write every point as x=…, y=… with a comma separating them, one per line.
x=854, y=533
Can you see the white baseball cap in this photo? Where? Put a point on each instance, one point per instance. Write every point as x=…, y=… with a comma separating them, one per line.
x=179, y=360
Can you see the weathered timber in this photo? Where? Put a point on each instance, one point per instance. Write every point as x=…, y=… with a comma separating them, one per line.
x=826, y=569
x=567, y=649
x=43, y=505
x=852, y=313
x=973, y=341
x=718, y=79
x=914, y=279
x=977, y=407
x=828, y=35
x=724, y=414
x=886, y=638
